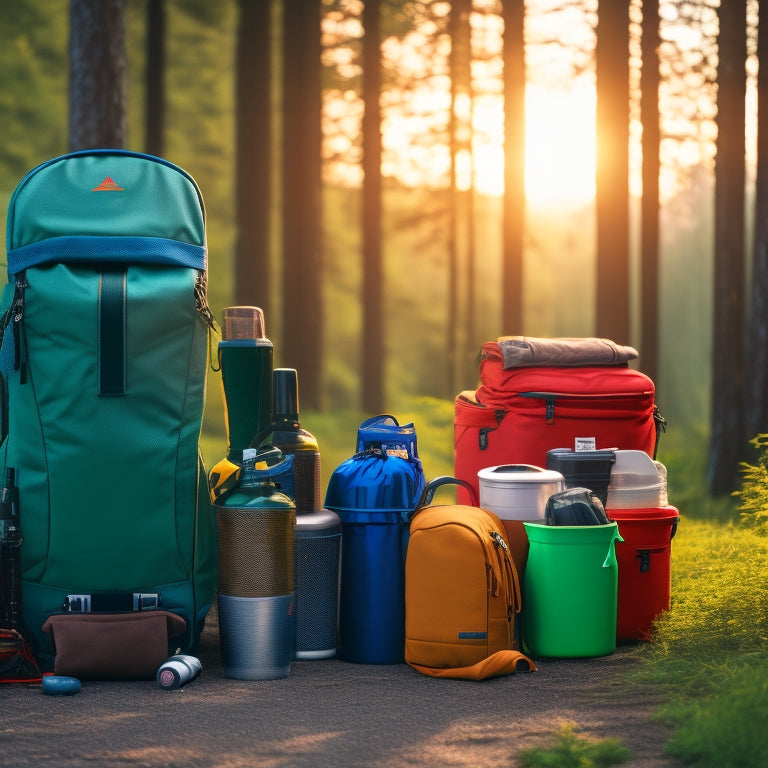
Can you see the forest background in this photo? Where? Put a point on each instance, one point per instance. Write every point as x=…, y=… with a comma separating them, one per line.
x=487, y=220
x=441, y=283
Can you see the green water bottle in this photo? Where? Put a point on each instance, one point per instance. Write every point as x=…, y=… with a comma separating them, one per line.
x=245, y=357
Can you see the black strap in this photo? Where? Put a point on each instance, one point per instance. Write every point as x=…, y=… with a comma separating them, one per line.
x=111, y=602
x=112, y=333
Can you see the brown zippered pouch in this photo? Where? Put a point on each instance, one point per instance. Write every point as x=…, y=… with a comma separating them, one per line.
x=112, y=646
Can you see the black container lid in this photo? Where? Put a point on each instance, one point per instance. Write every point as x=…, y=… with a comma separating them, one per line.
x=565, y=456
x=285, y=393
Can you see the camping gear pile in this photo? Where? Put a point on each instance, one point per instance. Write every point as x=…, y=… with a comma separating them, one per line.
x=558, y=544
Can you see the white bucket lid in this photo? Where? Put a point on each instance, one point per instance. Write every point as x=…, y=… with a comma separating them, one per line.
x=636, y=469
x=506, y=474
x=637, y=482
x=518, y=491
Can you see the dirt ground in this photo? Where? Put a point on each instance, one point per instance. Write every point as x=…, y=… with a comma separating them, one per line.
x=330, y=714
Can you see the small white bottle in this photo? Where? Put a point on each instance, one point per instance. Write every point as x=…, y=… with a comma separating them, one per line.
x=178, y=670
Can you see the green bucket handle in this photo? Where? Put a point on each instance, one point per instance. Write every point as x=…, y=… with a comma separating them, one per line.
x=610, y=557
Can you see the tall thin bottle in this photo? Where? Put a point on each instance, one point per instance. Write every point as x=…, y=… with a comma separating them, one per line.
x=291, y=438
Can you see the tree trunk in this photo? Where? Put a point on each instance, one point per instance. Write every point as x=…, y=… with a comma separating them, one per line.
x=514, y=167
x=302, y=306
x=97, y=74
x=461, y=267
x=373, y=390
x=756, y=402
x=612, y=176
x=154, y=117
x=649, y=247
x=727, y=437
x=253, y=89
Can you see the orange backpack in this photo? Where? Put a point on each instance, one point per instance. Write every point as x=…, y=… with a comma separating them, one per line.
x=462, y=593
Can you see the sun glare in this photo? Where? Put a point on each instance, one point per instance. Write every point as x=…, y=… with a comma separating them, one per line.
x=560, y=125
x=559, y=151
x=560, y=146
x=560, y=110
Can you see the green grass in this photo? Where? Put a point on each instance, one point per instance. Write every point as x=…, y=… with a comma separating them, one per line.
x=567, y=749
x=724, y=724
x=709, y=656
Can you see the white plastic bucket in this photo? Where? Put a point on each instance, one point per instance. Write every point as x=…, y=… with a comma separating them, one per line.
x=518, y=491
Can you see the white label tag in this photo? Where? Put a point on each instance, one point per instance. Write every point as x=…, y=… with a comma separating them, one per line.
x=585, y=444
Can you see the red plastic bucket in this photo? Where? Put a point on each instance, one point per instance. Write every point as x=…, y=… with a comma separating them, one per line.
x=645, y=568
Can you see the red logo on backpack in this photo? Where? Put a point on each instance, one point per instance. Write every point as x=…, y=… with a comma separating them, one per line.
x=108, y=185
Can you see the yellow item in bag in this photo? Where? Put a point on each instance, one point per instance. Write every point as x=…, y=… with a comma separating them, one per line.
x=222, y=479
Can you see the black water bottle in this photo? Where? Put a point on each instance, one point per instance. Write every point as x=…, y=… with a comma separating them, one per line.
x=292, y=439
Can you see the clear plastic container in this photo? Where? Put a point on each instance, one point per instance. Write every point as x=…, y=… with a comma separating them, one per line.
x=637, y=482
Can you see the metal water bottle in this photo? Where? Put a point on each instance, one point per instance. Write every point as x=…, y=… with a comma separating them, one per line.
x=318, y=562
x=256, y=581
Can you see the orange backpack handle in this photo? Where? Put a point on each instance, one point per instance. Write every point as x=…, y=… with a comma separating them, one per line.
x=504, y=662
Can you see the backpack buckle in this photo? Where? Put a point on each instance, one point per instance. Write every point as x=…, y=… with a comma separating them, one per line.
x=111, y=601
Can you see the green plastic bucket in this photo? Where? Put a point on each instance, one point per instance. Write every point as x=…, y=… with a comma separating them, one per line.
x=571, y=590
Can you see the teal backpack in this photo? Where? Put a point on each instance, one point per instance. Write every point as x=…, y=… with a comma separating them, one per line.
x=105, y=339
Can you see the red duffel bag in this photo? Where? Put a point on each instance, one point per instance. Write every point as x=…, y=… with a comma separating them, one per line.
x=585, y=391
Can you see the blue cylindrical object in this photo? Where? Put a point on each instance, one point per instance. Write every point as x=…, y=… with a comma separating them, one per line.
x=60, y=685
x=375, y=493
x=372, y=594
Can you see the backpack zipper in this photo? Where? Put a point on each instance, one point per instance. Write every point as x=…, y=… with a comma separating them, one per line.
x=550, y=400
x=661, y=426
x=491, y=578
x=17, y=315
x=482, y=437
x=505, y=557
x=201, y=300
